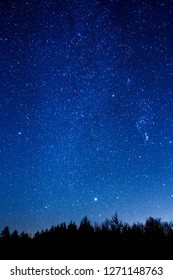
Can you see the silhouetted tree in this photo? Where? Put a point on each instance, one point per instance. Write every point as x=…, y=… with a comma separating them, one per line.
x=5, y=233
x=24, y=236
x=106, y=225
x=167, y=228
x=72, y=227
x=137, y=228
x=153, y=225
x=111, y=240
x=63, y=226
x=85, y=225
x=97, y=228
x=125, y=228
x=37, y=234
x=115, y=224
x=15, y=235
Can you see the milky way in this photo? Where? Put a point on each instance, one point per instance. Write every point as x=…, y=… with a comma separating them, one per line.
x=86, y=118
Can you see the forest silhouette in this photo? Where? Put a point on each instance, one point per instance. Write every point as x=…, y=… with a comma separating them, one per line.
x=112, y=239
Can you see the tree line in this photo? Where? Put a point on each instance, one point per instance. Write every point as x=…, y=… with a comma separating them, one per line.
x=112, y=239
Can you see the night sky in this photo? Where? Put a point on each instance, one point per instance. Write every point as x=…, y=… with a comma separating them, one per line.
x=86, y=111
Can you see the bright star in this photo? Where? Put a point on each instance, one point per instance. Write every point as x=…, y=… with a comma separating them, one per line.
x=146, y=136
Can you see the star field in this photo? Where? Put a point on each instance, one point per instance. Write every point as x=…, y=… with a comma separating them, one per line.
x=86, y=118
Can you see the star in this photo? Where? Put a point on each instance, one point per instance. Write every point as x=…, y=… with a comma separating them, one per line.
x=146, y=136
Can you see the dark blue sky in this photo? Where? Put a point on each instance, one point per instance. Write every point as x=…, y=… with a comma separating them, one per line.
x=86, y=111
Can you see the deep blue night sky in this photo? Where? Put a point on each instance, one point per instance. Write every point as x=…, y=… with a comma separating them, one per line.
x=86, y=111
